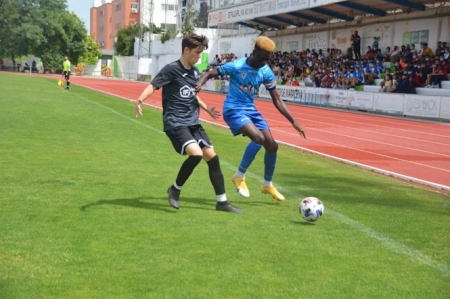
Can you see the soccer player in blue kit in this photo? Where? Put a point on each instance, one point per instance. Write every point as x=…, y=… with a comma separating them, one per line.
x=242, y=117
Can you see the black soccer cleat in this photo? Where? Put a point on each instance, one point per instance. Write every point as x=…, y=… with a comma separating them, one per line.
x=226, y=206
x=174, y=197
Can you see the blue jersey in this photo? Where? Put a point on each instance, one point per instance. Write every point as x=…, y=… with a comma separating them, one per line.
x=243, y=81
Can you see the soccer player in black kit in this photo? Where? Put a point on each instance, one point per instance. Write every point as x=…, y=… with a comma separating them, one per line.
x=181, y=108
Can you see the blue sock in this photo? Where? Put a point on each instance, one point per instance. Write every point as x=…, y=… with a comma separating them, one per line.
x=270, y=160
x=249, y=155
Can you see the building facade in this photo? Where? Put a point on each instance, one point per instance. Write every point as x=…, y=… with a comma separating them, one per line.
x=108, y=16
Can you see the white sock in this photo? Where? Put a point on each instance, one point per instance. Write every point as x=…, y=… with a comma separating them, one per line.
x=267, y=183
x=176, y=186
x=221, y=197
x=239, y=174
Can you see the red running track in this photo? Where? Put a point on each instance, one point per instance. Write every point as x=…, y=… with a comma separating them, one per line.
x=413, y=150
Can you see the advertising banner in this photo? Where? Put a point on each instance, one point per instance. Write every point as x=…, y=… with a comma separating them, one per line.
x=423, y=106
x=445, y=108
x=314, y=3
x=264, y=8
x=290, y=5
x=360, y=100
x=388, y=102
x=337, y=98
x=217, y=18
x=240, y=13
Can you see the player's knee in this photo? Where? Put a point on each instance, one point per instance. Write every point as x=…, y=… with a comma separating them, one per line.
x=259, y=138
x=214, y=162
x=271, y=147
x=194, y=160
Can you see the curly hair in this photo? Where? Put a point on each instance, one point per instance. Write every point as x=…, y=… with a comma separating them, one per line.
x=264, y=43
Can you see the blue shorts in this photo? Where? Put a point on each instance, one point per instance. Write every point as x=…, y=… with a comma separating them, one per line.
x=238, y=118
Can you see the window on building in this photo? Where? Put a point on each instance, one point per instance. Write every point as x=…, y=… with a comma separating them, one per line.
x=134, y=5
x=165, y=7
x=118, y=6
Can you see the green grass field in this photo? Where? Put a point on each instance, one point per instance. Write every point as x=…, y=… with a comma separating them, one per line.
x=84, y=214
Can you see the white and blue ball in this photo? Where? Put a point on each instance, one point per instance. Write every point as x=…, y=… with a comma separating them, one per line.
x=311, y=208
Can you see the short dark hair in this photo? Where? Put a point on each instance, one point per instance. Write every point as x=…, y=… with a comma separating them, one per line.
x=193, y=41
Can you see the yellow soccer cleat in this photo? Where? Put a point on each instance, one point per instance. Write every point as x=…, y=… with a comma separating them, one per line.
x=272, y=191
x=241, y=186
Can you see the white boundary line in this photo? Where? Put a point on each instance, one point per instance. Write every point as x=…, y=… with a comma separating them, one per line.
x=364, y=166
x=388, y=242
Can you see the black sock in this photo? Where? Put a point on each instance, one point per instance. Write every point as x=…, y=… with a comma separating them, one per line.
x=186, y=169
x=216, y=176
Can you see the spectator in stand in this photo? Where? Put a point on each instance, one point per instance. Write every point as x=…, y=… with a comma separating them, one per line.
x=394, y=54
x=375, y=43
x=447, y=65
x=216, y=61
x=426, y=51
x=369, y=53
x=360, y=76
x=423, y=73
x=437, y=75
x=447, y=53
x=276, y=70
x=414, y=78
x=439, y=49
x=387, y=53
x=387, y=84
x=289, y=80
x=404, y=85
x=349, y=55
x=356, y=45
x=295, y=82
x=327, y=80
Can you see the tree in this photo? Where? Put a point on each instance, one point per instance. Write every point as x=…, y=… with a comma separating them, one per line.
x=92, y=53
x=168, y=35
x=41, y=27
x=187, y=28
x=125, y=40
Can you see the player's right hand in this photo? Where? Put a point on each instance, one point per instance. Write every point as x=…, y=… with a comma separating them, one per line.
x=138, y=109
x=299, y=129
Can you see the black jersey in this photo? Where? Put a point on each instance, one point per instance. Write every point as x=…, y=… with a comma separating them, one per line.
x=179, y=99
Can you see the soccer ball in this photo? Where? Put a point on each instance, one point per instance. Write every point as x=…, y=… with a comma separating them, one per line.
x=311, y=208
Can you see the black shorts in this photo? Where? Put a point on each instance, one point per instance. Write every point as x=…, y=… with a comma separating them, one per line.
x=183, y=136
x=66, y=75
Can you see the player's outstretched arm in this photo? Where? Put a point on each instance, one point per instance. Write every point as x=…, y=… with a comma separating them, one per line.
x=205, y=77
x=281, y=106
x=215, y=114
x=144, y=95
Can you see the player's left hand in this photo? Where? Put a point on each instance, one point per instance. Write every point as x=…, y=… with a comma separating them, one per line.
x=299, y=129
x=138, y=109
x=215, y=114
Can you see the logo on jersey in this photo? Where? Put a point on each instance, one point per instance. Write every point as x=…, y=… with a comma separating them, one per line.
x=187, y=92
x=196, y=74
x=184, y=75
x=243, y=74
x=247, y=88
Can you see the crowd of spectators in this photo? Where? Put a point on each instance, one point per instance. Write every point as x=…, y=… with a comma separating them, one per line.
x=402, y=68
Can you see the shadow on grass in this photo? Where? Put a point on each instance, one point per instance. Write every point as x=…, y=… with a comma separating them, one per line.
x=305, y=223
x=153, y=203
